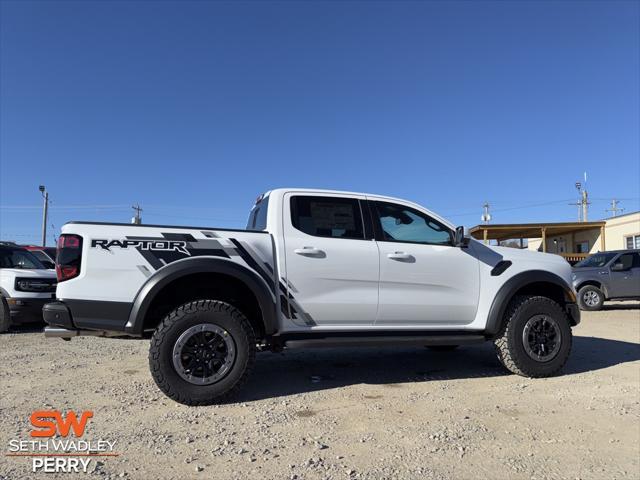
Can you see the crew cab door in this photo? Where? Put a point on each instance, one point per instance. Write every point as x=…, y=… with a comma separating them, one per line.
x=424, y=279
x=332, y=262
x=625, y=280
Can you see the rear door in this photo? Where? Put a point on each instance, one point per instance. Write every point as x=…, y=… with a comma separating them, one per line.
x=424, y=279
x=332, y=262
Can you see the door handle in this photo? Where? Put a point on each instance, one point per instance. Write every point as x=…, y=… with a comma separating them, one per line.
x=308, y=251
x=399, y=256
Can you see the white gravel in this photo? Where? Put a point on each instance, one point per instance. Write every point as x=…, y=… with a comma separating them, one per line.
x=344, y=413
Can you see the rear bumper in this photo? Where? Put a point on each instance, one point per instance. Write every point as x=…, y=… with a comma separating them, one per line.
x=73, y=318
x=25, y=310
x=57, y=314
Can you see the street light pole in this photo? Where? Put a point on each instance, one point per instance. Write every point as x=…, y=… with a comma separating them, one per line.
x=45, y=211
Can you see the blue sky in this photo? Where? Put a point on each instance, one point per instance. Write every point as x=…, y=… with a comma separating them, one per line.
x=194, y=108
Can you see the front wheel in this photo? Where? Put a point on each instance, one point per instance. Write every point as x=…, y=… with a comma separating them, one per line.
x=202, y=352
x=536, y=338
x=590, y=298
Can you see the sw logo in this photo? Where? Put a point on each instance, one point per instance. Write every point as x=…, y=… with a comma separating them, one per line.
x=50, y=422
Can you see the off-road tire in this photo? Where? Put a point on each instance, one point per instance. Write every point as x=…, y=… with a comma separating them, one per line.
x=442, y=348
x=509, y=342
x=178, y=321
x=587, y=289
x=5, y=315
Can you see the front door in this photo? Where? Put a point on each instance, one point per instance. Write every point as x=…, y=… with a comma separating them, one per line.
x=332, y=267
x=424, y=279
x=625, y=282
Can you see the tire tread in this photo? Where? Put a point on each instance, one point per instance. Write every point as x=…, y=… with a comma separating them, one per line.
x=507, y=355
x=174, y=317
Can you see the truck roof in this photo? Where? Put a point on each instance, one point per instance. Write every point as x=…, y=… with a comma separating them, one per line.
x=282, y=191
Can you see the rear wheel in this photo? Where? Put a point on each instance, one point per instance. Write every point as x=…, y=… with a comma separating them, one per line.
x=536, y=338
x=590, y=298
x=202, y=352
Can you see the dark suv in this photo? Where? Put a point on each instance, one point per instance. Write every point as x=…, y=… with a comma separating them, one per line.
x=607, y=276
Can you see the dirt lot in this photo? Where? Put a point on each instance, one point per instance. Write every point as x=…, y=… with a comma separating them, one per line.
x=344, y=413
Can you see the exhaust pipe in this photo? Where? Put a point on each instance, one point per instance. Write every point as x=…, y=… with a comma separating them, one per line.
x=55, y=332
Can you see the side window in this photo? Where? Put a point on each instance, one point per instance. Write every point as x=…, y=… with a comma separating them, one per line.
x=404, y=224
x=327, y=216
x=626, y=260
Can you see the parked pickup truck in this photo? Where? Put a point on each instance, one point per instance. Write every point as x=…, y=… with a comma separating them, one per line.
x=312, y=268
x=613, y=275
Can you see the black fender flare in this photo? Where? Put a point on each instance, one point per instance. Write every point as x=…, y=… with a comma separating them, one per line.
x=515, y=283
x=173, y=271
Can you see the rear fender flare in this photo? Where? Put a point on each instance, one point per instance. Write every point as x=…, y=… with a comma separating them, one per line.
x=163, y=277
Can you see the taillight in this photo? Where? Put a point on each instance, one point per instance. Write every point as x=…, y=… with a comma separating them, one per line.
x=68, y=257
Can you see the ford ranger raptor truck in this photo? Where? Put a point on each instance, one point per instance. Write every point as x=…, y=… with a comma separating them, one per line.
x=312, y=268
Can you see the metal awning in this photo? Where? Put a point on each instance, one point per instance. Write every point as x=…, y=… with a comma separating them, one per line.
x=508, y=231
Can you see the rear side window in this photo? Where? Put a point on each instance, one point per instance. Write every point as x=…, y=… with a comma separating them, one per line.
x=327, y=216
x=258, y=215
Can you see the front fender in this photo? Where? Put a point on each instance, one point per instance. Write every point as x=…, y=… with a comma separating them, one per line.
x=519, y=281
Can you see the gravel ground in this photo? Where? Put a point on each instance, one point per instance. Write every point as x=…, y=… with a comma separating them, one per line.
x=344, y=413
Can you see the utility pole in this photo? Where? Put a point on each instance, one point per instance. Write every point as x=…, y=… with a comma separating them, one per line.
x=579, y=204
x=486, y=216
x=583, y=201
x=137, y=219
x=614, y=208
x=45, y=212
x=585, y=205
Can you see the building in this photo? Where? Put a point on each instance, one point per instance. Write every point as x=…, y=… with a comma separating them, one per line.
x=572, y=240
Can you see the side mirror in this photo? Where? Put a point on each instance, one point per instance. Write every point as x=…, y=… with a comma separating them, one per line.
x=461, y=238
x=618, y=267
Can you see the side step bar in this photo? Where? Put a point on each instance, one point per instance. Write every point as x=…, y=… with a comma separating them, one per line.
x=379, y=341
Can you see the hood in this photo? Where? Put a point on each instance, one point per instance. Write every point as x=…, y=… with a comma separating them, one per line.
x=516, y=254
x=30, y=273
x=587, y=269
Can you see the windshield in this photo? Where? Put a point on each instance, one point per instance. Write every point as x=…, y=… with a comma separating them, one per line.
x=44, y=258
x=19, y=258
x=596, y=260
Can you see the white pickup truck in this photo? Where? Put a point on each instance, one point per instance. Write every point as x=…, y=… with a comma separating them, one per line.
x=312, y=268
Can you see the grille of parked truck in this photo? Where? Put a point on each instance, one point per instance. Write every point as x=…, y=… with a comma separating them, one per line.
x=312, y=268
